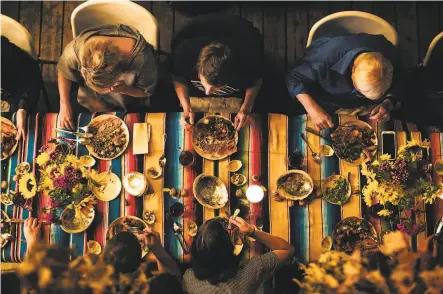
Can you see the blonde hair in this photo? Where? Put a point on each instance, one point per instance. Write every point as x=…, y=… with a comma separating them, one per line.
x=372, y=74
x=99, y=63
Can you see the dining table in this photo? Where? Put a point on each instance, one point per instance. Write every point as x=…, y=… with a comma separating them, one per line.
x=263, y=149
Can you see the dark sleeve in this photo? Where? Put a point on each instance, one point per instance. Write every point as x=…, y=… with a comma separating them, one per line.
x=183, y=60
x=28, y=101
x=147, y=77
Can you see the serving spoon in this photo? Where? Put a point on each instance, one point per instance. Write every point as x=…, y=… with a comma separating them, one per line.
x=162, y=159
x=315, y=155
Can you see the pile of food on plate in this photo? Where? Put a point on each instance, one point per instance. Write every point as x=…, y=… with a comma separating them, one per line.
x=336, y=190
x=354, y=142
x=110, y=137
x=210, y=191
x=8, y=141
x=295, y=185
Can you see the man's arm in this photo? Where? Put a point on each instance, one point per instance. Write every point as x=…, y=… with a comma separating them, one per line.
x=250, y=96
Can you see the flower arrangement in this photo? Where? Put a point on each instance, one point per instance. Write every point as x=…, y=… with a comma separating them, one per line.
x=64, y=179
x=395, y=269
x=399, y=184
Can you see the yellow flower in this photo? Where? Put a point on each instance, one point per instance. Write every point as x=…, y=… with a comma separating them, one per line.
x=367, y=198
x=384, y=212
x=330, y=281
x=394, y=242
x=71, y=159
x=375, y=163
x=42, y=159
x=27, y=186
x=385, y=157
x=432, y=279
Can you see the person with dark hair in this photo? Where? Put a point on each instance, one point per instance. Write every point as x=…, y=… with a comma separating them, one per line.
x=21, y=83
x=216, y=267
x=217, y=56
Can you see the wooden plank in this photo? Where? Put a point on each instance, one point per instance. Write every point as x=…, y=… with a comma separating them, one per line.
x=11, y=9
x=67, y=29
x=365, y=6
x=208, y=168
x=253, y=13
x=297, y=32
x=316, y=11
x=407, y=32
x=427, y=21
x=336, y=6
x=30, y=14
x=275, y=38
x=278, y=141
x=154, y=200
x=164, y=14
x=234, y=9
x=386, y=10
x=315, y=205
x=50, y=48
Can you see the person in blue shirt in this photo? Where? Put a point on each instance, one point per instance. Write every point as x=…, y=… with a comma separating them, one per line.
x=347, y=72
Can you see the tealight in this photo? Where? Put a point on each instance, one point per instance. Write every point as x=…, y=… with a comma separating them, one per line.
x=255, y=193
x=135, y=183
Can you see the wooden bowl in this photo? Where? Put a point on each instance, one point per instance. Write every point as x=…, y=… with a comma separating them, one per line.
x=287, y=195
x=201, y=186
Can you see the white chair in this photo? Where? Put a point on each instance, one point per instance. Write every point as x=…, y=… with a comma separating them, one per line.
x=352, y=22
x=435, y=46
x=96, y=12
x=17, y=34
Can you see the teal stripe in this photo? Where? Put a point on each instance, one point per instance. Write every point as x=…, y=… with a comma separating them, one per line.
x=299, y=215
x=331, y=214
x=173, y=178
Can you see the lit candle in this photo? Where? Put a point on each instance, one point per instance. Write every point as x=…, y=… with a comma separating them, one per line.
x=135, y=182
x=255, y=193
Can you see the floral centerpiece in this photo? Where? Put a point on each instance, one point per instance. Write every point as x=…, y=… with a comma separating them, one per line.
x=397, y=185
x=65, y=179
x=395, y=269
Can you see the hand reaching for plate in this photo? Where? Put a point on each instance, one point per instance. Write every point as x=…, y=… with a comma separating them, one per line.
x=241, y=120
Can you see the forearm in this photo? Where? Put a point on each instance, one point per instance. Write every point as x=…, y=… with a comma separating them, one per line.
x=182, y=93
x=165, y=262
x=134, y=92
x=64, y=88
x=272, y=242
x=250, y=96
x=307, y=101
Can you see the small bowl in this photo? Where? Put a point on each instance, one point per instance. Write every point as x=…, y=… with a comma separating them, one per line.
x=135, y=183
x=329, y=183
x=187, y=159
x=206, y=184
x=82, y=222
x=235, y=165
x=238, y=179
x=154, y=172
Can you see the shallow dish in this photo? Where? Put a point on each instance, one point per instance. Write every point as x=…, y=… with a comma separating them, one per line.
x=111, y=136
x=8, y=141
x=111, y=189
x=210, y=191
x=73, y=222
x=214, y=137
x=330, y=183
x=295, y=185
x=129, y=223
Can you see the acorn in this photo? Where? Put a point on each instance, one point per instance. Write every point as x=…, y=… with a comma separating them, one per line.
x=256, y=178
x=239, y=193
x=182, y=193
x=4, y=184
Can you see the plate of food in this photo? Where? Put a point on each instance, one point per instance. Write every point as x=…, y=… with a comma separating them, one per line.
x=354, y=142
x=214, y=137
x=210, y=191
x=110, y=137
x=336, y=189
x=6, y=230
x=295, y=185
x=8, y=142
x=351, y=232
x=75, y=222
x=132, y=224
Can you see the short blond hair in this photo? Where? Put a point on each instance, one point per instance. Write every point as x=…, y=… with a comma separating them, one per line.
x=372, y=74
x=99, y=63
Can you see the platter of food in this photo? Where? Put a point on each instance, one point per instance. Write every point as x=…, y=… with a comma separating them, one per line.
x=73, y=221
x=110, y=137
x=214, y=137
x=8, y=142
x=295, y=185
x=354, y=142
x=6, y=230
x=132, y=224
x=351, y=232
x=336, y=189
x=210, y=191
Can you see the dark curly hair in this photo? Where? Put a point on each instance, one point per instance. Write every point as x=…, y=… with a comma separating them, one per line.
x=216, y=64
x=123, y=251
x=212, y=252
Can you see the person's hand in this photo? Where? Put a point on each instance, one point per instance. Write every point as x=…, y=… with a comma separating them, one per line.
x=151, y=238
x=21, y=124
x=242, y=225
x=382, y=112
x=65, y=119
x=31, y=230
x=187, y=120
x=320, y=118
x=241, y=120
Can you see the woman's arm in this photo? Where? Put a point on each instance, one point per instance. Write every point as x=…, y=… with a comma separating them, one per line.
x=183, y=95
x=65, y=119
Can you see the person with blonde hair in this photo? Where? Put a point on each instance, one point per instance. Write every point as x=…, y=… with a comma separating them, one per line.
x=347, y=72
x=115, y=67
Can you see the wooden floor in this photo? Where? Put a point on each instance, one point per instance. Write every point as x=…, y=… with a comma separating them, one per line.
x=284, y=25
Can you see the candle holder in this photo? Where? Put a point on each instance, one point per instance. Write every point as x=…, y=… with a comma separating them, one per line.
x=187, y=159
x=255, y=193
x=135, y=183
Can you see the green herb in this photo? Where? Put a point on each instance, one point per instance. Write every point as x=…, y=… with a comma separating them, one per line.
x=339, y=193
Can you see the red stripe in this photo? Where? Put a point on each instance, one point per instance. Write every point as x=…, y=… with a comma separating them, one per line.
x=189, y=176
x=130, y=164
x=437, y=207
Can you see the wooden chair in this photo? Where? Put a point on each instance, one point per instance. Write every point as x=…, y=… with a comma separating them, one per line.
x=352, y=22
x=96, y=12
x=435, y=46
x=20, y=36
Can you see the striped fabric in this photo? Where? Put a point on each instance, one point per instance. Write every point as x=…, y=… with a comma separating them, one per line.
x=263, y=148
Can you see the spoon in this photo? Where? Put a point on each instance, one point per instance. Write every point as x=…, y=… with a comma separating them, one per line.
x=162, y=159
x=84, y=129
x=315, y=155
x=80, y=135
